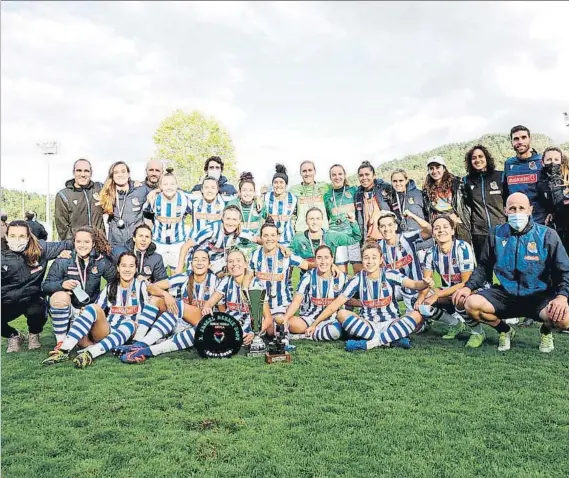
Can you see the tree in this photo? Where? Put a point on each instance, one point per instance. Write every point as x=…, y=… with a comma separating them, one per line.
x=187, y=140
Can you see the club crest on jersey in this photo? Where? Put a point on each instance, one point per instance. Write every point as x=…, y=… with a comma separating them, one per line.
x=454, y=262
x=95, y=269
x=411, y=201
x=348, y=195
x=511, y=166
x=147, y=270
x=532, y=165
x=493, y=185
x=337, y=287
x=532, y=247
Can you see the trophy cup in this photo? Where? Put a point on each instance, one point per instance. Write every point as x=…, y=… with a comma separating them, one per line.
x=277, y=348
x=256, y=298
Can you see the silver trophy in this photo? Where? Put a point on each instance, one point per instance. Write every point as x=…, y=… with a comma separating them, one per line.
x=256, y=298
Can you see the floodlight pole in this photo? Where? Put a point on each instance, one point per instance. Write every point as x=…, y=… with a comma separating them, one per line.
x=566, y=119
x=48, y=149
x=23, y=201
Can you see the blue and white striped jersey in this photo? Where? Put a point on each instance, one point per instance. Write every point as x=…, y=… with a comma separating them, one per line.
x=274, y=273
x=449, y=266
x=376, y=295
x=403, y=256
x=235, y=303
x=282, y=212
x=215, y=241
x=129, y=303
x=169, y=226
x=319, y=292
x=204, y=213
x=178, y=288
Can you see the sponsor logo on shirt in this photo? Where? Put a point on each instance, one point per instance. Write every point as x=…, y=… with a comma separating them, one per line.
x=124, y=310
x=404, y=261
x=207, y=217
x=379, y=303
x=237, y=307
x=268, y=276
x=522, y=179
x=321, y=302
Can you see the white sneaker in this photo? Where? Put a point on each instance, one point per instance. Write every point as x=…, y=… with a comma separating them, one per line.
x=34, y=341
x=505, y=340
x=546, y=343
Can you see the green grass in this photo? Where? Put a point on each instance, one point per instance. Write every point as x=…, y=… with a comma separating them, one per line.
x=436, y=410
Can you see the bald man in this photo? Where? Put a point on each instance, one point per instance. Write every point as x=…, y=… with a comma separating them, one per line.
x=154, y=171
x=532, y=266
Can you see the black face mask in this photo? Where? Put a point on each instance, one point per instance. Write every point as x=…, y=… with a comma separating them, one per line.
x=552, y=169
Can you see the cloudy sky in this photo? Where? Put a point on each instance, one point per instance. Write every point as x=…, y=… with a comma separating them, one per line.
x=328, y=81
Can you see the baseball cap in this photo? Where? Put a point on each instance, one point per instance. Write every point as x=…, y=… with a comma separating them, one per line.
x=437, y=160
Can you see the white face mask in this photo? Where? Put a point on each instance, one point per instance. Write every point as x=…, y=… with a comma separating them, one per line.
x=17, y=245
x=214, y=173
x=518, y=221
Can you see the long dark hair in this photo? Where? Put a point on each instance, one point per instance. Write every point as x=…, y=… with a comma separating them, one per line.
x=191, y=280
x=433, y=191
x=490, y=163
x=32, y=252
x=113, y=285
x=100, y=243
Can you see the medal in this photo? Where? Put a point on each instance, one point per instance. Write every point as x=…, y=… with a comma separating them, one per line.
x=120, y=224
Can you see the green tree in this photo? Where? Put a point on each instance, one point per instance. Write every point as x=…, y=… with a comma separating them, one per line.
x=187, y=140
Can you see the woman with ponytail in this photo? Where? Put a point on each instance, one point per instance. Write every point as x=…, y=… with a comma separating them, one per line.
x=169, y=207
x=281, y=205
x=24, y=264
x=74, y=282
x=110, y=322
x=252, y=212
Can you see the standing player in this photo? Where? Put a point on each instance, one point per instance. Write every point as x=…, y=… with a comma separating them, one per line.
x=281, y=206
x=379, y=323
x=339, y=202
x=309, y=194
x=207, y=208
x=252, y=212
x=521, y=172
x=110, y=322
x=169, y=208
x=400, y=251
x=453, y=260
x=321, y=286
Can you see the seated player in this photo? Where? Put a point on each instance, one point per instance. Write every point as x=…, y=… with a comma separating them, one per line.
x=532, y=266
x=454, y=261
x=228, y=292
x=88, y=264
x=110, y=322
x=273, y=269
x=175, y=307
x=321, y=287
x=400, y=252
x=379, y=323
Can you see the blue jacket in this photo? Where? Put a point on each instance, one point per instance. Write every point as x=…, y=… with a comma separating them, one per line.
x=526, y=263
x=522, y=176
x=99, y=266
x=152, y=267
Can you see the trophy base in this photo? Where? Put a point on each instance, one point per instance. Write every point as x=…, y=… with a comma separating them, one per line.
x=256, y=353
x=275, y=358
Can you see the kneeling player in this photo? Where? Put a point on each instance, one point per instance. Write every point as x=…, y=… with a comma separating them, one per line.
x=122, y=299
x=319, y=287
x=379, y=324
x=532, y=266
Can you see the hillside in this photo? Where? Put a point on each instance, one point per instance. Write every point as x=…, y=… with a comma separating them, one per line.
x=498, y=145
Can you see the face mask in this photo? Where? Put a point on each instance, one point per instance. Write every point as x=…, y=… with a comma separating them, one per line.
x=518, y=221
x=17, y=245
x=214, y=173
x=553, y=169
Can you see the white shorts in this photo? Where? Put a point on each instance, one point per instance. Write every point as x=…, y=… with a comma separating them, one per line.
x=380, y=327
x=345, y=254
x=170, y=253
x=408, y=299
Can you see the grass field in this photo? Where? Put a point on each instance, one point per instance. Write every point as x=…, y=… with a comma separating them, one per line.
x=436, y=410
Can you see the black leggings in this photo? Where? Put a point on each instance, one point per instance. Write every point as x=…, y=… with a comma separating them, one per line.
x=35, y=311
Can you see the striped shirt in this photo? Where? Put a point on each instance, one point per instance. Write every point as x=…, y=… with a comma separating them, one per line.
x=319, y=292
x=282, y=212
x=129, y=303
x=204, y=213
x=235, y=303
x=274, y=273
x=376, y=295
x=403, y=256
x=450, y=266
x=178, y=288
x=169, y=226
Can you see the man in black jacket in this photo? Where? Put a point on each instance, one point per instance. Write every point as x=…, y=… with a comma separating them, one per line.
x=214, y=167
x=150, y=263
x=37, y=229
x=77, y=204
